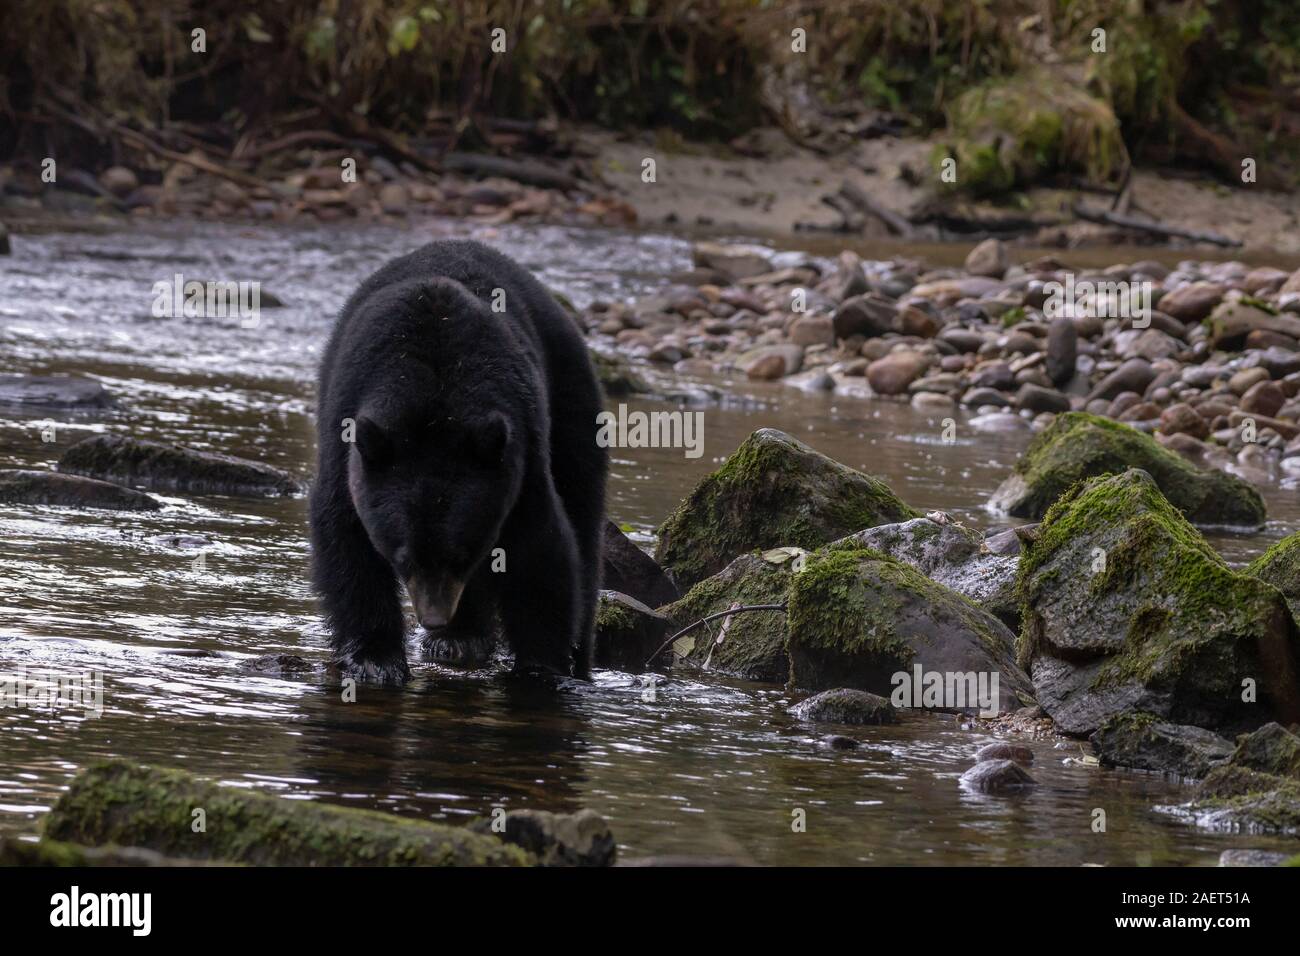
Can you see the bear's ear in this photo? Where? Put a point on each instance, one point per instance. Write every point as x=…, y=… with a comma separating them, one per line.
x=490, y=437
x=373, y=443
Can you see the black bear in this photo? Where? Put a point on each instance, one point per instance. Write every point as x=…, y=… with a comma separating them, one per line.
x=457, y=456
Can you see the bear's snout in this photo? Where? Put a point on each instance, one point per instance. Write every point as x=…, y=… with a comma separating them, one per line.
x=434, y=602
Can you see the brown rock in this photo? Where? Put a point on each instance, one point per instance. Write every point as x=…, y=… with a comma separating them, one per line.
x=1182, y=419
x=988, y=259
x=892, y=374
x=1263, y=398
x=1192, y=302
x=813, y=330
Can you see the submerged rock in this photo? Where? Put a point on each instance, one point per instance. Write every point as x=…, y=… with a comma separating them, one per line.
x=27, y=487
x=128, y=805
x=626, y=568
x=281, y=665
x=858, y=618
x=997, y=776
x=844, y=705
x=955, y=556
x=753, y=643
x=1003, y=750
x=161, y=467
x=1140, y=740
x=1078, y=446
x=627, y=632
x=1127, y=607
x=774, y=491
x=53, y=391
x=556, y=839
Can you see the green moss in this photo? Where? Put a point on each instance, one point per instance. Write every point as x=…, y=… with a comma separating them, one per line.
x=1012, y=131
x=851, y=599
x=1280, y=567
x=128, y=805
x=1186, y=615
x=1078, y=445
x=773, y=492
x=755, y=643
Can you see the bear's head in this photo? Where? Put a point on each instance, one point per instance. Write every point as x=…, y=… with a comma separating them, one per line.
x=437, y=458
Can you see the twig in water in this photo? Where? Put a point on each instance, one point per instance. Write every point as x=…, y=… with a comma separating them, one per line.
x=704, y=620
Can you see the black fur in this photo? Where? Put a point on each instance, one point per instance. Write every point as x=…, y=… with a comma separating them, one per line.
x=474, y=430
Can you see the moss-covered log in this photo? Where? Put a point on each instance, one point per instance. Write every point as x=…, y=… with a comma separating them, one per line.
x=129, y=805
x=54, y=853
x=1078, y=446
x=774, y=491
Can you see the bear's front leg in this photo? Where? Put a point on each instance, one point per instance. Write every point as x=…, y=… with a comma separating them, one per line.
x=539, y=606
x=360, y=597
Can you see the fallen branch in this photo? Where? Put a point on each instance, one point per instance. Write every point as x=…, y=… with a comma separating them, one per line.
x=704, y=620
x=1155, y=228
x=521, y=171
x=861, y=200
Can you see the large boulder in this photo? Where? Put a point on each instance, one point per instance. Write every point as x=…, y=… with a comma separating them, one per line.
x=628, y=569
x=1127, y=607
x=1280, y=567
x=1078, y=445
x=774, y=491
x=160, y=467
x=752, y=644
x=858, y=619
x=1144, y=742
x=19, y=486
x=955, y=556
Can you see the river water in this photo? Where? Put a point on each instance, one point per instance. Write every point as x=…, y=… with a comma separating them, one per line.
x=704, y=767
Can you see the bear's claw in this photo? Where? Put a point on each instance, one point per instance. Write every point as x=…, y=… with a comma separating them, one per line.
x=391, y=671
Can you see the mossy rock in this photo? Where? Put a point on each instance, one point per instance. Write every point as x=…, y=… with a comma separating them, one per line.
x=774, y=491
x=1280, y=567
x=1127, y=607
x=1257, y=790
x=1142, y=741
x=1011, y=132
x=128, y=805
x=1078, y=445
x=955, y=556
x=753, y=646
x=857, y=618
x=627, y=632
